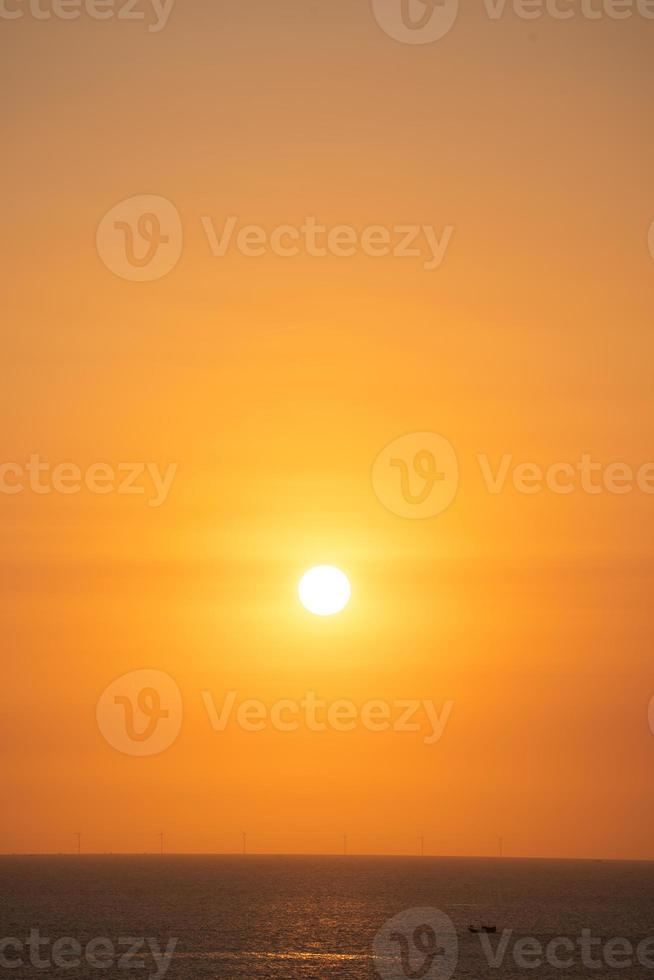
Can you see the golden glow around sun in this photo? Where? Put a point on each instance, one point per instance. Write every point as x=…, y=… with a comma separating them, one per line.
x=324, y=590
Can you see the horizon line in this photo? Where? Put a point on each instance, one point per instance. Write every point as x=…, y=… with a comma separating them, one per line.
x=321, y=854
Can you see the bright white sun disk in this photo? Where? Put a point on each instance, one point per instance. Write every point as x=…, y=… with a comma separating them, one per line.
x=324, y=590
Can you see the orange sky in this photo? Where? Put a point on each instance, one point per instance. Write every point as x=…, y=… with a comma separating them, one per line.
x=273, y=383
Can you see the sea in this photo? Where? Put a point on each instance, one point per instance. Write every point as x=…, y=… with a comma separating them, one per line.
x=323, y=918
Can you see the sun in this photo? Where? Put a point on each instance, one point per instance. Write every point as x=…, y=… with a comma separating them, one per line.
x=324, y=590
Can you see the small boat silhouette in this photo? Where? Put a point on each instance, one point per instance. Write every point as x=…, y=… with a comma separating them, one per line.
x=482, y=929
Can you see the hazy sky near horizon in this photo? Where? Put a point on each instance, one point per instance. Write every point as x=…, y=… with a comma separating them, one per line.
x=272, y=383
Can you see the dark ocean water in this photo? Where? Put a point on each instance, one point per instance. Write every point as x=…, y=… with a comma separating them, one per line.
x=310, y=917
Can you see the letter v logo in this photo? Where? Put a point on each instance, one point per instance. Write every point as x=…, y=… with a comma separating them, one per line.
x=416, y=21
